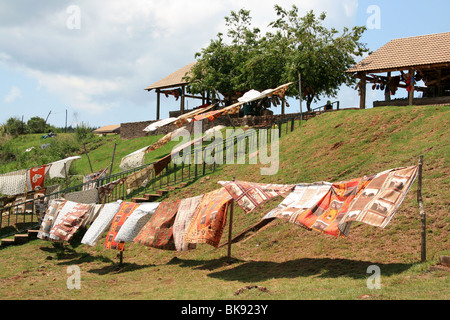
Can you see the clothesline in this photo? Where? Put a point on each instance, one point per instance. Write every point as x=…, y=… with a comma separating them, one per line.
x=18, y=182
x=179, y=225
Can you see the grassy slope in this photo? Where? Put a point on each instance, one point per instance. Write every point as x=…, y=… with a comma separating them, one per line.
x=291, y=262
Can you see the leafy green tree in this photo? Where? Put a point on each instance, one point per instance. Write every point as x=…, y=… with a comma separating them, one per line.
x=295, y=45
x=36, y=125
x=15, y=126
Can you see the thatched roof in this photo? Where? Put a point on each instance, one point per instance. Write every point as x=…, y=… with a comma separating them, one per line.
x=400, y=54
x=172, y=80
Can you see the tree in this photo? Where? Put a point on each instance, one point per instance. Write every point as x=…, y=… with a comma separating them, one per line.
x=15, y=126
x=295, y=45
x=36, y=125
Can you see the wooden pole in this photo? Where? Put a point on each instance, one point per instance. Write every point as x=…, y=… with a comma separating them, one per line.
x=230, y=229
x=423, y=216
x=87, y=154
x=412, y=84
x=158, y=103
x=230, y=238
x=362, y=88
x=112, y=160
x=300, y=95
x=120, y=258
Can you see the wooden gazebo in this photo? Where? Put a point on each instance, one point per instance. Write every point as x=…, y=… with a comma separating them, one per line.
x=175, y=85
x=421, y=58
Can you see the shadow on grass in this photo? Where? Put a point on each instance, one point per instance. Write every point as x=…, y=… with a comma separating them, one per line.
x=264, y=270
x=117, y=268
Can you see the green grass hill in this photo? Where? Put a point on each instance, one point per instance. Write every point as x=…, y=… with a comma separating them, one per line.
x=289, y=261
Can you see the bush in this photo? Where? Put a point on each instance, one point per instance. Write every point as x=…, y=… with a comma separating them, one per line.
x=36, y=125
x=83, y=132
x=15, y=126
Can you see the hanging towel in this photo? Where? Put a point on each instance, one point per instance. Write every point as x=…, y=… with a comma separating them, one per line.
x=133, y=160
x=136, y=221
x=70, y=222
x=303, y=197
x=13, y=183
x=158, y=231
x=249, y=195
x=57, y=168
x=101, y=223
x=50, y=216
x=106, y=190
x=183, y=220
x=92, y=178
x=379, y=201
x=139, y=179
x=327, y=213
x=66, y=207
x=125, y=210
x=36, y=177
x=158, y=124
x=209, y=219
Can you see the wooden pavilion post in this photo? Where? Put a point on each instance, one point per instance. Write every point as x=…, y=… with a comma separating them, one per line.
x=387, y=90
x=411, y=92
x=158, y=104
x=183, y=93
x=362, y=88
x=423, y=216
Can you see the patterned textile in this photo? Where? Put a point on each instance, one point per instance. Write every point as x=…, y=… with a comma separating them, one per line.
x=211, y=115
x=125, y=210
x=327, y=213
x=209, y=219
x=136, y=221
x=161, y=164
x=164, y=140
x=183, y=220
x=184, y=118
x=13, y=183
x=36, y=177
x=158, y=232
x=133, y=160
x=70, y=222
x=59, y=168
x=377, y=204
x=139, y=178
x=50, y=216
x=159, y=124
x=101, y=223
x=303, y=197
x=87, y=196
x=92, y=178
x=106, y=190
x=249, y=195
x=67, y=207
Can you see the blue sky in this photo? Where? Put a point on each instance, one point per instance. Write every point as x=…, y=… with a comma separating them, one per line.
x=96, y=62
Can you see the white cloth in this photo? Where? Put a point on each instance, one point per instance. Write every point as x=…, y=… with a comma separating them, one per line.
x=13, y=183
x=58, y=170
x=133, y=160
x=250, y=96
x=159, y=124
x=69, y=205
x=303, y=197
x=136, y=221
x=101, y=223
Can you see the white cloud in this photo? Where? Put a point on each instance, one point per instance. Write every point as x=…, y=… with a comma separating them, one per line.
x=123, y=46
x=13, y=94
